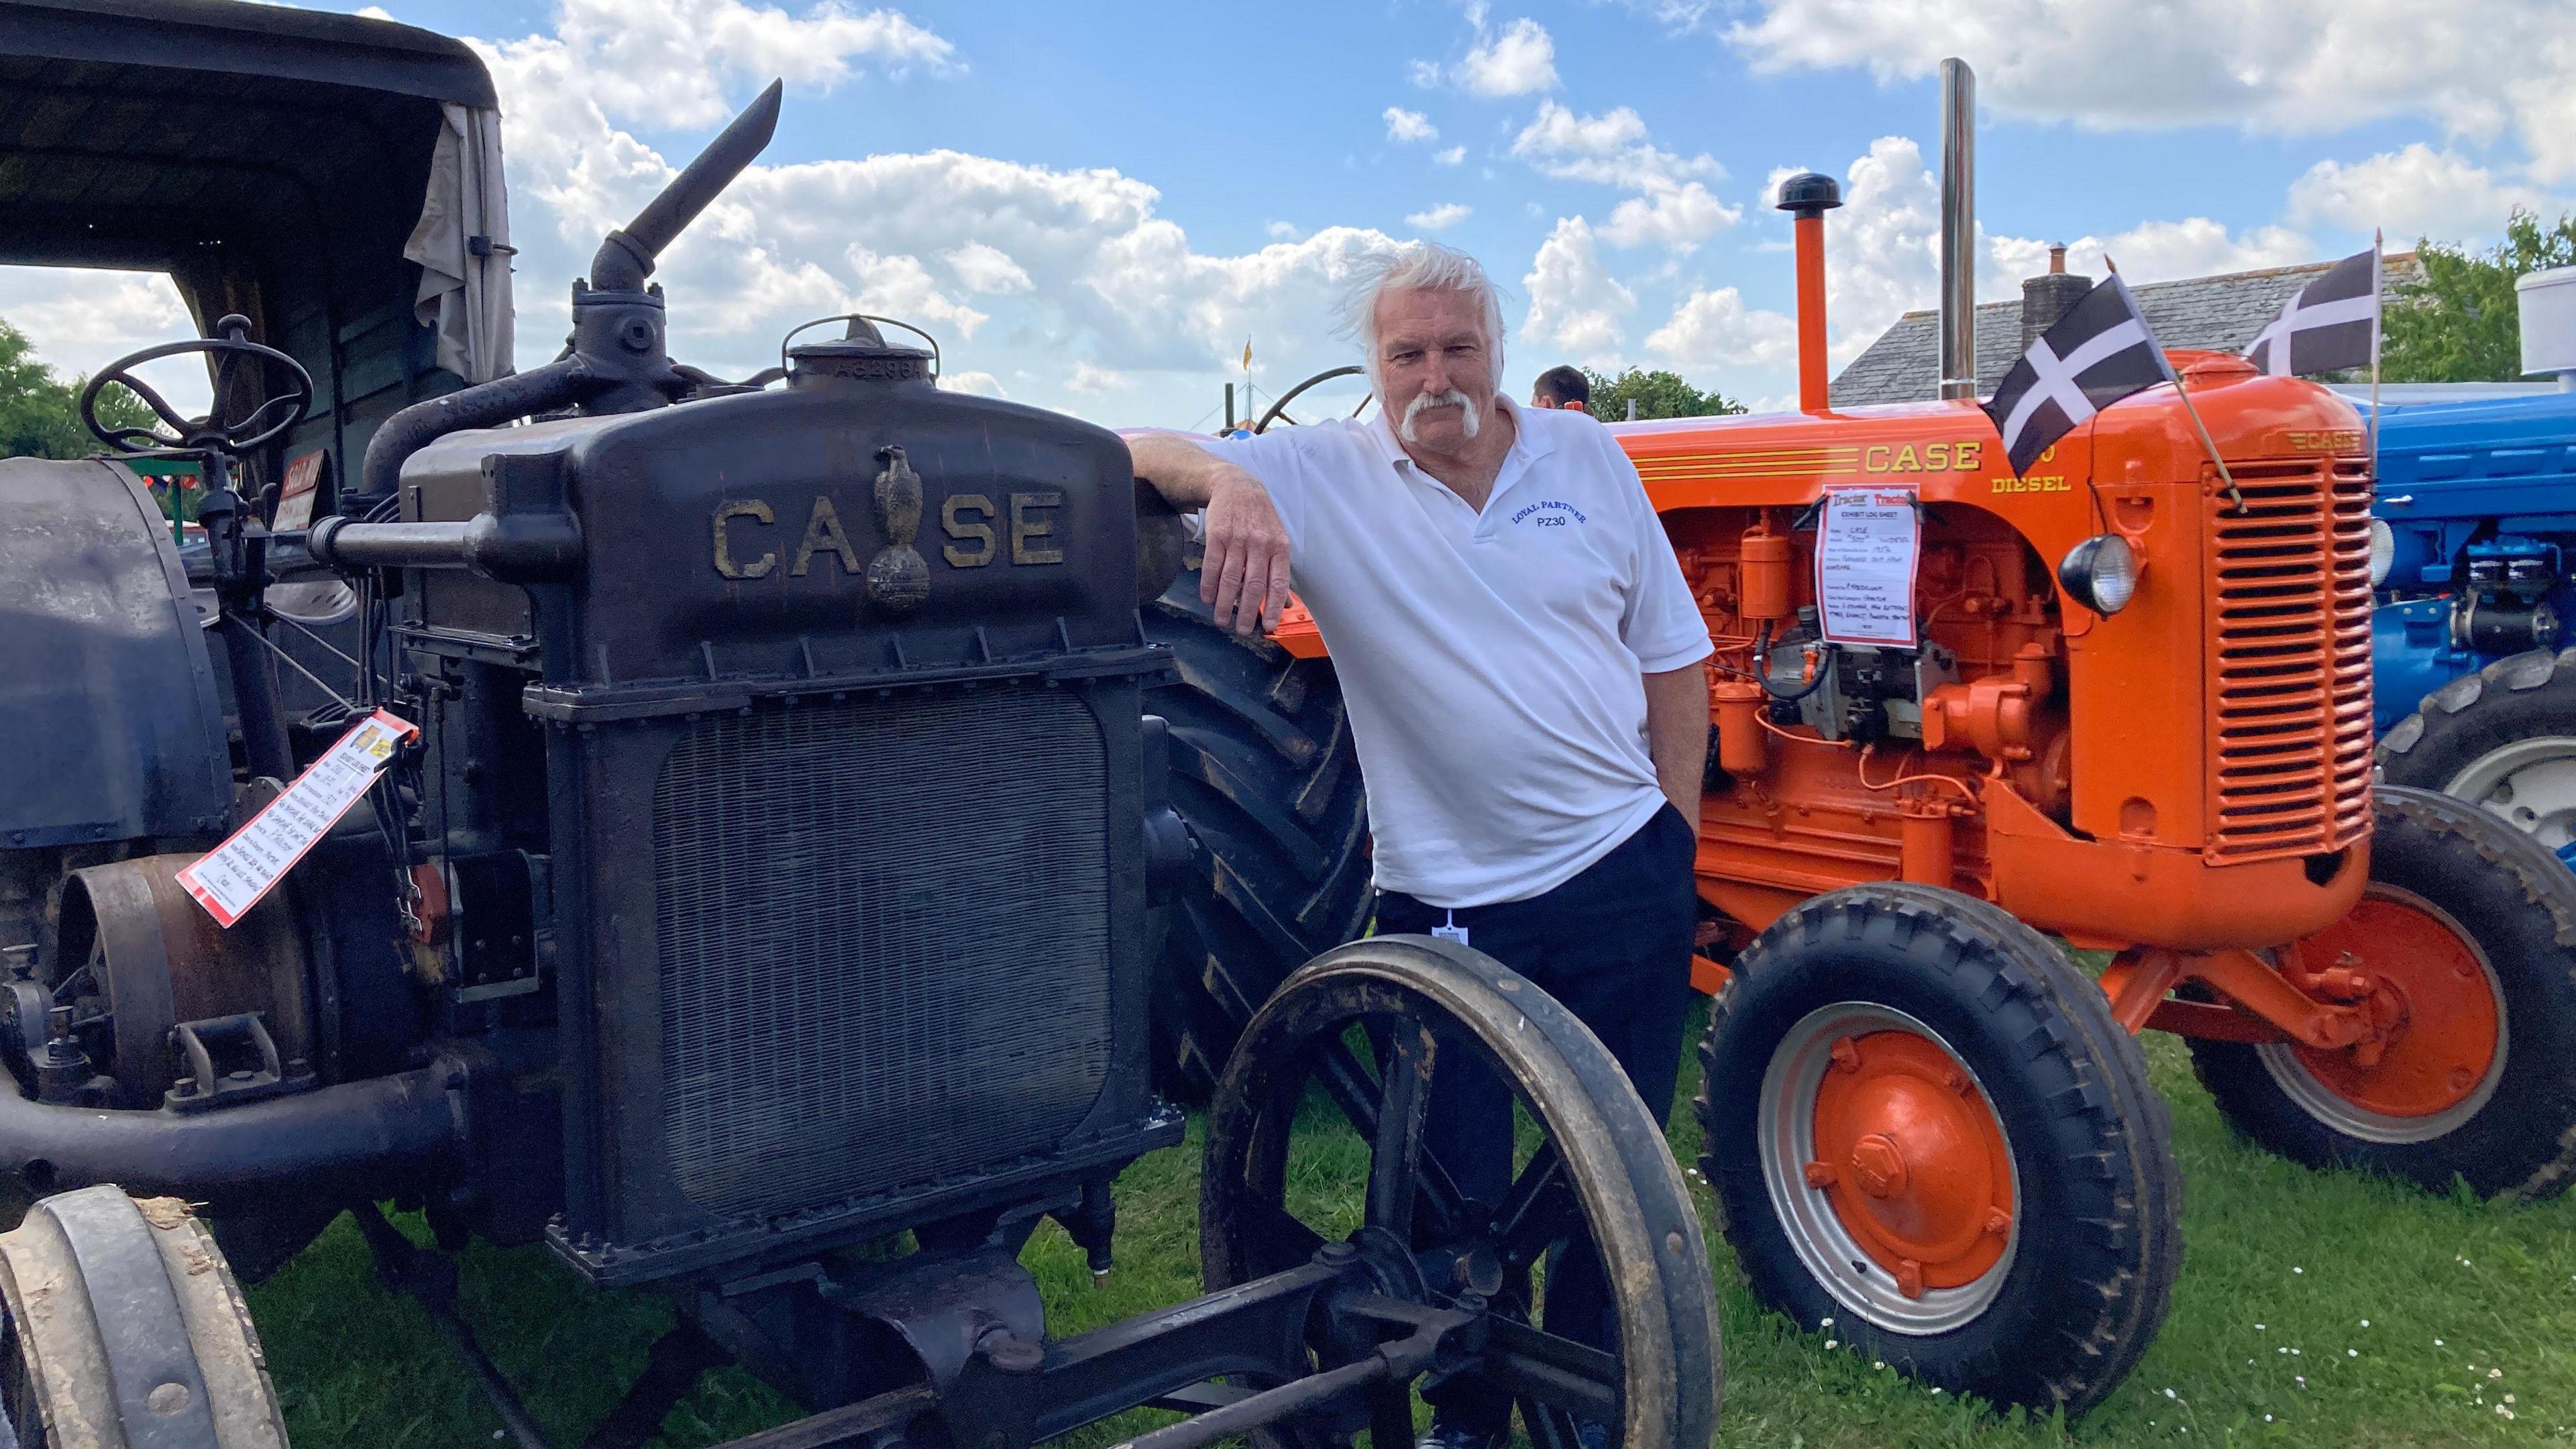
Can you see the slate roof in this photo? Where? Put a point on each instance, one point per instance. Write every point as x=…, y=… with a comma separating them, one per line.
x=2222, y=314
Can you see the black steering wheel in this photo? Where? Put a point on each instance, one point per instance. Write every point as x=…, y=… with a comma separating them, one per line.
x=231, y=346
x=1279, y=410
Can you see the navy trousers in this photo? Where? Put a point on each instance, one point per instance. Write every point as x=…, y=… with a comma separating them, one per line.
x=1613, y=944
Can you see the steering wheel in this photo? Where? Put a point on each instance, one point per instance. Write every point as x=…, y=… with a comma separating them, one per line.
x=1279, y=410
x=231, y=346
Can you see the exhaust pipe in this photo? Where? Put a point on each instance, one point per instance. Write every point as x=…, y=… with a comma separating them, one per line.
x=1808, y=197
x=1958, y=229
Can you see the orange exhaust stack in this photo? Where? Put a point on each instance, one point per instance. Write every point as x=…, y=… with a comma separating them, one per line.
x=1808, y=196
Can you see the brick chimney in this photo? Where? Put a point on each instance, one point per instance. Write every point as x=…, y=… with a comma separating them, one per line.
x=2045, y=299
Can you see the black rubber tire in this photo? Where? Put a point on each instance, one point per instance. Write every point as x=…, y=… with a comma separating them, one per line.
x=122, y=1317
x=1265, y=774
x=2519, y=904
x=2097, y=1192
x=2517, y=699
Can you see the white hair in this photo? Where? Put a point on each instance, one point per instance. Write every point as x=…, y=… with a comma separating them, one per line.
x=1421, y=267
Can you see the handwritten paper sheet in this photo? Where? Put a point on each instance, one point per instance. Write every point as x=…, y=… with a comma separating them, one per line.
x=1867, y=544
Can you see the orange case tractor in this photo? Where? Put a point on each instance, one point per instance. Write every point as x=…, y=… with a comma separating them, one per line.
x=1932, y=1133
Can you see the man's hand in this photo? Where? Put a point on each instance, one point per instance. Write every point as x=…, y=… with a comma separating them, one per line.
x=1245, y=577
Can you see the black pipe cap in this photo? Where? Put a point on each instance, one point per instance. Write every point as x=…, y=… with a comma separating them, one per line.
x=1810, y=193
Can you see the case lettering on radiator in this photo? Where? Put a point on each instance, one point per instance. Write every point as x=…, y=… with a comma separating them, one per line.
x=973, y=522
x=954, y=522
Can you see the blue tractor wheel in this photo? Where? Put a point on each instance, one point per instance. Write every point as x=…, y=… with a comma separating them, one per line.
x=2502, y=739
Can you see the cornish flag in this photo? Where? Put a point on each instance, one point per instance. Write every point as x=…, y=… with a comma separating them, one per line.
x=2331, y=325
x=2097, y=354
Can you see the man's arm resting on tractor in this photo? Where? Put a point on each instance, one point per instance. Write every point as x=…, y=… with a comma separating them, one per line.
x=1245, y=577
x=1677, y=735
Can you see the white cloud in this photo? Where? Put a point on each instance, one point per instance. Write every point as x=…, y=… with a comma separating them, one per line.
x=1423, y=73
x=1446, y=214
x=2477, y=67
x=1882, y=250
x=1575, y=303
x=2414, y=192
x=1716, y=329
x=1450, y=157
x=81, y=320
x=987, y=269
x=1517, y=62
x=1016, y=267
x=1089, y=376
x=662, y=60
x=1679, y=217
x=982, y=384
x=1282, y=230
x=1404, y=125
x=1673, y=207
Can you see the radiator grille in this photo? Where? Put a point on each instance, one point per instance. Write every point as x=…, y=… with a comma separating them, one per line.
x=884, y=931
x=2290, y=661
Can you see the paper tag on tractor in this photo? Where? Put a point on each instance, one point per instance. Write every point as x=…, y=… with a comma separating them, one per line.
x=231, y=878
x=1867, y=544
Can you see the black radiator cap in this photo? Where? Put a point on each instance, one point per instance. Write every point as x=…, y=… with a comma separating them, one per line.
x=861, y=353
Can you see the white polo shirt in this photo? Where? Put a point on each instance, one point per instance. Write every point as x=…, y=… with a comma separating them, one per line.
x=1491, y=661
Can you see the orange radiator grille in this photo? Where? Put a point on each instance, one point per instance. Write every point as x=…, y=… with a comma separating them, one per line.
x=2289, y=661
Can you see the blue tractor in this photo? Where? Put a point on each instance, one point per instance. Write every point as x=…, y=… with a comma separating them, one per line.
x=2474, y=560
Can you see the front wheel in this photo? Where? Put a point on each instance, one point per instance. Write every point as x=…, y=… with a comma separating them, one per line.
x=1929, y=1138
x=121, y=1325
x=2464, y=932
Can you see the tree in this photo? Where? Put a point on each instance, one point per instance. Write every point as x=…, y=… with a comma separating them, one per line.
x=2459, y=324
x=1658, y=394
x=40, y=415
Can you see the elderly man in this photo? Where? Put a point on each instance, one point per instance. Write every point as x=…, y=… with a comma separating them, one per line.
x=1524, y=669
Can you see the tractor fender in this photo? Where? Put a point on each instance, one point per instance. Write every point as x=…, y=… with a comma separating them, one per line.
x=110, y=724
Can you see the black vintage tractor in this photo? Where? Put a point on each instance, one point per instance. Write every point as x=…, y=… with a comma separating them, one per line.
x=769, y=875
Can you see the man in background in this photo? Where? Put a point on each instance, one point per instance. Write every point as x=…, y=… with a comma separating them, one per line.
x=1563, y=387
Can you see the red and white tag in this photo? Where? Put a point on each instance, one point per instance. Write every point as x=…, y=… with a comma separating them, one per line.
x=230, y=879
x=295, y=499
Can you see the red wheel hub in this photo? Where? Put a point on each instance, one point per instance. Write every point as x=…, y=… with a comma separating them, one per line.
x=2440, y=1022
x=1912, y=1159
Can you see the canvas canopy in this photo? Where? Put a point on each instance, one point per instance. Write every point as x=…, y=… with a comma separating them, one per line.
x=336, y=179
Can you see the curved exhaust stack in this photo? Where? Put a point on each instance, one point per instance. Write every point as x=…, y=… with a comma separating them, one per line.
x=1958, y=229
x=626, y=256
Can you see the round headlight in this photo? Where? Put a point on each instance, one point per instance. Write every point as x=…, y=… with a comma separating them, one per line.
x=2383, y=550
x=2101, y=572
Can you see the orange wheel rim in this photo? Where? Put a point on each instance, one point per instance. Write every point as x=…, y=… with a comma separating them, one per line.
x=2435, y=987
x=1911, y=1158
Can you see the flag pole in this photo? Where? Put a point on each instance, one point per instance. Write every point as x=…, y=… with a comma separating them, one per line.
x=2189, y=411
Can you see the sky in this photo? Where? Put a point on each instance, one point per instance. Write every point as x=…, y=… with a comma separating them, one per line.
x=1095, y=207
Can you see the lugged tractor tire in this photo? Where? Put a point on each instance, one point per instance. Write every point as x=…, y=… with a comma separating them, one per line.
x=1992, y=1204
x=2474, y=925
x=124, y=1327
x=2503, y=739
x=1265, y=773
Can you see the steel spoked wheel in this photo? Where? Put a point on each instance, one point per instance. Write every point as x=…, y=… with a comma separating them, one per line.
x=2530, y=785
x=2438, y=982
x=2455, y=949
x=1929, y=1139
x=1908, y=1217
x=1339, y=1064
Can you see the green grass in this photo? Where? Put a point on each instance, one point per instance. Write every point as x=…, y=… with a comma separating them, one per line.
x=2466, y=1302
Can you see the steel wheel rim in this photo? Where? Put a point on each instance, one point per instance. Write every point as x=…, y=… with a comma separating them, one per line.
x=2291, y=1072
x=1826, y=1248
x=2529, y=784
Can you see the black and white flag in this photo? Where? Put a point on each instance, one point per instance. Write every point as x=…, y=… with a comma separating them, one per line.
x=2332, y=324
x=2097, y=354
